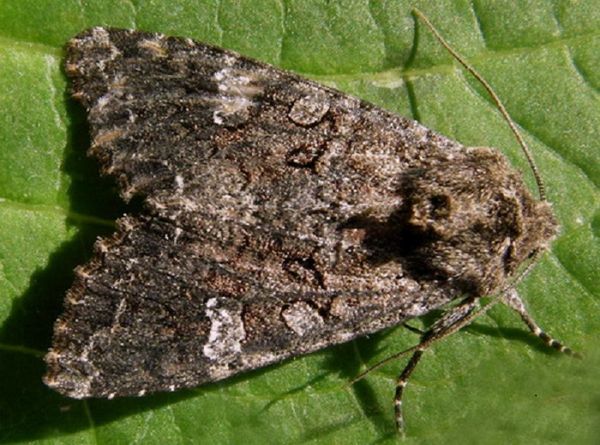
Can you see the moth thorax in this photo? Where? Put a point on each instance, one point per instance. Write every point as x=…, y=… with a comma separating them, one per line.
x=472, y=220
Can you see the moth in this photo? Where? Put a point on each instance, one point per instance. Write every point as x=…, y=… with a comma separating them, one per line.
x=279, y=217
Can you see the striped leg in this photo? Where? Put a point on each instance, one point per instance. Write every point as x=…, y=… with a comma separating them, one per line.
x=453, y=320
x=512, y=299
x=400, y=384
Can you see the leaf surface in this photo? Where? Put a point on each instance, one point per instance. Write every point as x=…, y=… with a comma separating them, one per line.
x=491, y=383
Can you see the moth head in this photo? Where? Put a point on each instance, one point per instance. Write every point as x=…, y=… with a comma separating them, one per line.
x=472, y=219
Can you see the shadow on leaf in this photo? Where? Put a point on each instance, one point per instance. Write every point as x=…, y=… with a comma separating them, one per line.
x=513, y=334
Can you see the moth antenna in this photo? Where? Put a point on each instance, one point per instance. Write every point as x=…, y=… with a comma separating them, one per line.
x=495, y=99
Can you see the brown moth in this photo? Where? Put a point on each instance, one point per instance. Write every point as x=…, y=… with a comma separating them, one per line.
x=280, y=217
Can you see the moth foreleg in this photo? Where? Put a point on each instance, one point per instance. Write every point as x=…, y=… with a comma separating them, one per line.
x=401, y=382
x=512, y=299
x=451, y=321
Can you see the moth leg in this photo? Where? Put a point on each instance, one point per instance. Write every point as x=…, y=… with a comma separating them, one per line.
x=401, y=382
x=512, y=299
x=450, y=322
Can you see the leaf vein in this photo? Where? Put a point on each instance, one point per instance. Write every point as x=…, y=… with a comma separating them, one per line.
x=91, y=423
x=22, y=350
x=218, y=20
x=590, y=292
x=134, y=11
x=478, y=23
x=580, y=71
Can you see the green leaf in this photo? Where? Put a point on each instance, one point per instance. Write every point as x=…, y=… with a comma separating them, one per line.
x=491, y=383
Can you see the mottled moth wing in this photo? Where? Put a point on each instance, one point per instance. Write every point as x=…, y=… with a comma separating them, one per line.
x=279, y=217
